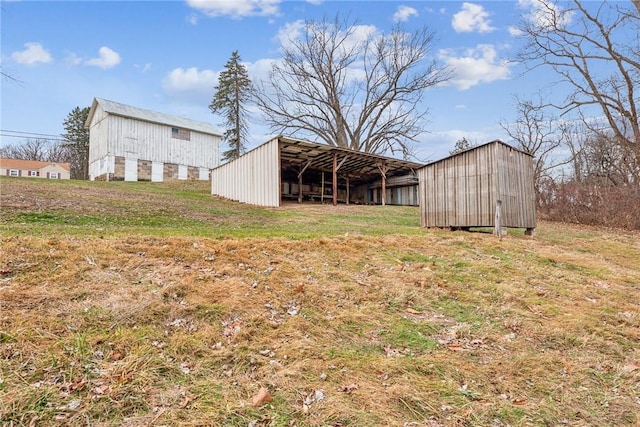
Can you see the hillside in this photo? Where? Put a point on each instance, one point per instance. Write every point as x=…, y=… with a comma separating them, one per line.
x=144, y=304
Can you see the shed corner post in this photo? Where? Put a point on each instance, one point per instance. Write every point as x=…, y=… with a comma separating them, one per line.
x=497, y=227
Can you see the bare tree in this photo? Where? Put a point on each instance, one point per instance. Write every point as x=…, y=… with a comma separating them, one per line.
x=596, y=51
x=536, y=133
x=350, y=86
x=30, y=149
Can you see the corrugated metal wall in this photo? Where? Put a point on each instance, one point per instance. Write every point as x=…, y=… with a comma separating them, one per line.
x=254, y=178
x=462, y=190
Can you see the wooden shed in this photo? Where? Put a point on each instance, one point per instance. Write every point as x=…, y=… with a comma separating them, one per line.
x=134, y=144
x=478, y=186
x=285, y=168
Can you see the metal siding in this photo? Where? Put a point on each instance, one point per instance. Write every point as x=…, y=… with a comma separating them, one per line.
x=252, y=178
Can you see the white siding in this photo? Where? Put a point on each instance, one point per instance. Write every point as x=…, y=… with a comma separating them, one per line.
x=203, y=174
x=130, y=169
x=253, y=178
x=157, y=172
x=182, y=171
x=113, y=135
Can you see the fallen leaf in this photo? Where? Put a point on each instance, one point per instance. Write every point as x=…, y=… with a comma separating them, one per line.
x=519, y=401
x=186, y=400
x=261, y=398
x=629, y=368
x=412, y=311
x=349, y=388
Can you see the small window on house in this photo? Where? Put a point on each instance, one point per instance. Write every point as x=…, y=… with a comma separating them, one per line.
x=53, y=175
x=33, y=173
x=183, y=134
x=14, y=172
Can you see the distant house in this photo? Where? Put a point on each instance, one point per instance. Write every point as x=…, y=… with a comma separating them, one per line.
x=133, y=144
x=474, y=187
x=34, y=169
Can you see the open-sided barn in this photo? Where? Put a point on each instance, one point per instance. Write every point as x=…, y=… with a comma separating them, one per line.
x=485, y=186
x=133, y=144
x=290, y=169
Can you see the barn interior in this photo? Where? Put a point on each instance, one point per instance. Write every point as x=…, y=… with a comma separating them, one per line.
x=317, y=172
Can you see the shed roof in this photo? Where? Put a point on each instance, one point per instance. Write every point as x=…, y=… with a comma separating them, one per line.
x=30, y=164
x=296, y=151
x=476, y=147
x=118, y=109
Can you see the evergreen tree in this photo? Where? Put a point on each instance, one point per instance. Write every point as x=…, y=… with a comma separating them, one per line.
x=231, y=95
x=77, y=142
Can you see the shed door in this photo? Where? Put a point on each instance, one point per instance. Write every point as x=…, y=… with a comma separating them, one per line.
x=130, y=169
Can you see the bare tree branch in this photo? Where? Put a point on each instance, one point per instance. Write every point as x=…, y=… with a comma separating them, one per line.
x=349, y=90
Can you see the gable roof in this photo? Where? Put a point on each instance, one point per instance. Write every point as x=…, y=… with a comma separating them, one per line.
x=118, y=109
x=30, y=164
x=495, y=141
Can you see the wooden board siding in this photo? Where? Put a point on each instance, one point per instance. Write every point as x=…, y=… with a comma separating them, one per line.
x=462, y=190
x=253, y=178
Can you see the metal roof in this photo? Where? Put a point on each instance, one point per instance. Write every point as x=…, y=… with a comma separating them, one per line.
x=362, y=166
x=123, y=110
x=475, y=147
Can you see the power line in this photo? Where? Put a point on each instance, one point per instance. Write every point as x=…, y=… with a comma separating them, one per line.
x=28, y=133
x=32, y=137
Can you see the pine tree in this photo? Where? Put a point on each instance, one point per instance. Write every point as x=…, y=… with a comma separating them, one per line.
x=77, y=142
x=231, y=95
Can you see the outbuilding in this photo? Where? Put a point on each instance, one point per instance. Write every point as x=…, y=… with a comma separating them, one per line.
x=285, y=168
x=134, y=144
x=490, y=185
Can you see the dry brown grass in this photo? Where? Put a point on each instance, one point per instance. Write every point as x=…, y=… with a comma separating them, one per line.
x=433, y=329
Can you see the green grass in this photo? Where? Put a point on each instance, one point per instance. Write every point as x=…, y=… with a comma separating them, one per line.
x=158, y=304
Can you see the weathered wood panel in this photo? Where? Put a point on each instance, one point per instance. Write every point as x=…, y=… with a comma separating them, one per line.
x=253, y=178
x=462, y=190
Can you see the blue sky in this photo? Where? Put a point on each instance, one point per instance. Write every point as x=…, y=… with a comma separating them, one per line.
x=166, y=56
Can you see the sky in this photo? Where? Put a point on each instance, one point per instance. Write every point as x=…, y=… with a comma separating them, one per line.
x=166, y=56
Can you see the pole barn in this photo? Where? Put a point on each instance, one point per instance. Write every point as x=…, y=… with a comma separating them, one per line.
x=490, y=185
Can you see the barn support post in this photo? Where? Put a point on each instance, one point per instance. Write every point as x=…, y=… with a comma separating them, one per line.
x=300, y=187
x=383, y=173
x=347, y=177
x=322, y=189
x=300, y=180
x=335, y=179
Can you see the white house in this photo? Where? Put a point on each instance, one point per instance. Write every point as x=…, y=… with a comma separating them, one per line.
x=133, y=144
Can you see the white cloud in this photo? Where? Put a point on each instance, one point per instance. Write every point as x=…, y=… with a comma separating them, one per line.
x=543, y=14
x=236, y=8
x=107, y=58
x=143, y=68
x=315, y=2
x=477, y=65
x=404, y=13
x=192, y=19
x=515, y=31
x=290, y=32
x=33, y=54
x=190, y=84
x=471, y=18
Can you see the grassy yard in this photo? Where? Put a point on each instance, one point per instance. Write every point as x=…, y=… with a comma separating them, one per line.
x=143, y=304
